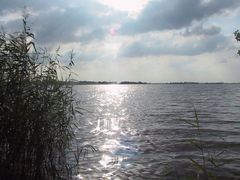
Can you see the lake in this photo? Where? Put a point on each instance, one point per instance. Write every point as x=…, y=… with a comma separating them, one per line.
x=139, y=131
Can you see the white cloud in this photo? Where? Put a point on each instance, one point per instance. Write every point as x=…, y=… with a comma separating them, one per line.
x=125, y=5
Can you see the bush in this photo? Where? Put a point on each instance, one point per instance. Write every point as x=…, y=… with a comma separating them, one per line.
x=36, y=109
x=237, y=37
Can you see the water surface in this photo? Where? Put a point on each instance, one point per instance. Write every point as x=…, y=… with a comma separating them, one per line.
x=138, y=130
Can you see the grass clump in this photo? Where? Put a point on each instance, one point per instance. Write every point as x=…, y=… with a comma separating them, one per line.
x=36, y=110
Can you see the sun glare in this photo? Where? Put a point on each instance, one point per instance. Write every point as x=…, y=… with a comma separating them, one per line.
x=126, y=5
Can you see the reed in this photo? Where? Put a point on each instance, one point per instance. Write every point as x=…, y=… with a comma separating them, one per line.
x=36, y=109
x=206, y=161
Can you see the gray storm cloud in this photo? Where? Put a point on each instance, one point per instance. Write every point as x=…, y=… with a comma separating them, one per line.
x=166, y=15
x=154, y=47
x=59, y=21
x=200, y=30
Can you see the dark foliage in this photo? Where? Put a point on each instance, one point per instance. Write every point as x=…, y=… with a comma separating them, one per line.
x=36, y=111
x=237, y=37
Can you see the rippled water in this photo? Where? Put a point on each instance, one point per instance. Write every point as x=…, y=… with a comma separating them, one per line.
x=138, y=132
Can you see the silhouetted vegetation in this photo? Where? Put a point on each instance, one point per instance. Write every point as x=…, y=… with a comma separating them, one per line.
x=74, y=82
x=237, y=37
x=36, y=111
x=132, y=82
x=206, y=160
x=91, y=82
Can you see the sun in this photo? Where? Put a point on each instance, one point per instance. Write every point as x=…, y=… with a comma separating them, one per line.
x=126, y=5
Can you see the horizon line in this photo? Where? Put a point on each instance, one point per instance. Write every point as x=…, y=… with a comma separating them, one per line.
x=146, y=82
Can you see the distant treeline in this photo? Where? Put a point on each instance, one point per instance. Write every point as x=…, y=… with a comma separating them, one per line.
x=194, y=83
x=74, y=82
x=104, y=82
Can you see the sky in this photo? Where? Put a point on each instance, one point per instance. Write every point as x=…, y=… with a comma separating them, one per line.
x=137, y=40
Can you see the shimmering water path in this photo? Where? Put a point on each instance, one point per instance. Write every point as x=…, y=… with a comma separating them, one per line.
x=138, y=130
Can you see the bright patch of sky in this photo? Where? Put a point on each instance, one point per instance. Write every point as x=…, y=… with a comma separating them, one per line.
x=126, y=5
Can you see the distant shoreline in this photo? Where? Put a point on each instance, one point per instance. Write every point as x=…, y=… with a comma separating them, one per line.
x=138, y=82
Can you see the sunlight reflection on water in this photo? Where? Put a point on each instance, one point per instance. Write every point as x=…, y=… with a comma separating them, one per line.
x=110, y=127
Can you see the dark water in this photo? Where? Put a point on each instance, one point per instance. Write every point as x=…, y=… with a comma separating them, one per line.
x=138, y=130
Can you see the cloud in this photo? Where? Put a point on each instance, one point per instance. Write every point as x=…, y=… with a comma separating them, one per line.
x=202, y=68
x=96, y=34
x=74, y=24
x=177, y=46
x=56, y=22
x=165, y=15
x=33, y=6
x=177, y=40
x=201, y=30
x=60, y=26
